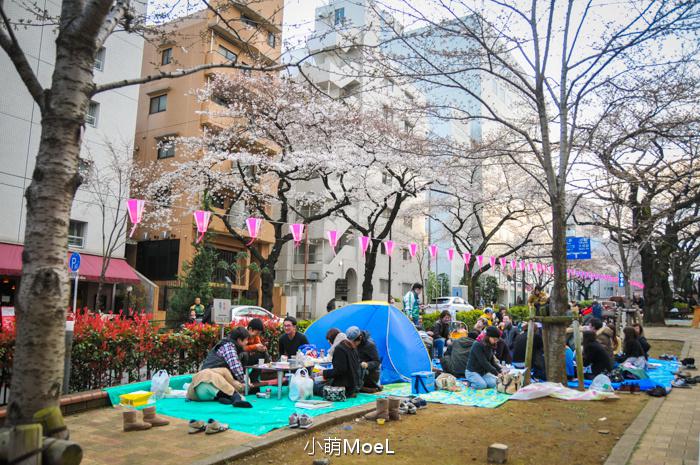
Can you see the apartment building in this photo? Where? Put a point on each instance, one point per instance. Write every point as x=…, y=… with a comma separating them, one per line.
x=167, y=108
x=111, y=119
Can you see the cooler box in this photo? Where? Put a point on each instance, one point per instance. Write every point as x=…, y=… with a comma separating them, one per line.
x=422, y=382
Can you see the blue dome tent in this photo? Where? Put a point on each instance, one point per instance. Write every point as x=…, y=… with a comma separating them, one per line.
x=400, y=347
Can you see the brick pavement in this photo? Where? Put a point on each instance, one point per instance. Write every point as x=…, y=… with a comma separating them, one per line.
x=672, y=436
x=100, y=434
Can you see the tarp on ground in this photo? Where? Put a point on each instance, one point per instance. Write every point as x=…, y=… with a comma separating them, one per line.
x=660, y=373
x=399, y=345
x=265, y=416
x=484, y=398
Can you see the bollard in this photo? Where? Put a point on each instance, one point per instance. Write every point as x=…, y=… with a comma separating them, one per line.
x=497, y=453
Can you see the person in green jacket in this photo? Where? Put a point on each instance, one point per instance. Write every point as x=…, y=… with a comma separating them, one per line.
x=411, y=303
x=198, y=308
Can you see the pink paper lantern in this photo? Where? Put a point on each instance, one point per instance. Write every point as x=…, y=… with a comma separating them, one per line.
x=297, y=230
x=413, y=249
x=253, y=225
x=530, y=267
x=502, y=262
x=480, y=260
x=135, y=207
x=450, y=254
x=202, y=217
x=433, y=249
x=492, y=261
x=521, y=265
x=389, y=247
x=333, y=238
x=539, y=268
x=364, y=244
x=513, y=265
x=466, y=256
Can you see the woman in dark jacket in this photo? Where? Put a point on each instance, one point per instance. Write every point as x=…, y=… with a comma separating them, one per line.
x=345, y=371
x=370, y=363
x=631, y=347
x=595, y=355
x=642, y=340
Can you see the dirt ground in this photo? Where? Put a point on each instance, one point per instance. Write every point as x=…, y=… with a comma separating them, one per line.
x=544, y=431
x=665, y=346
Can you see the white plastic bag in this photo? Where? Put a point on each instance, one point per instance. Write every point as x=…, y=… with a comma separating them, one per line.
x=301, y=386
x=601, y=383
x=160, y=384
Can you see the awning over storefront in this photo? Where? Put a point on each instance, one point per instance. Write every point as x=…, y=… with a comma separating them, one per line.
x=118, y=270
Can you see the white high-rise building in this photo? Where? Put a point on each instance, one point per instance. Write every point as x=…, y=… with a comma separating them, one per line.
x=337, y=278
x=111, y=119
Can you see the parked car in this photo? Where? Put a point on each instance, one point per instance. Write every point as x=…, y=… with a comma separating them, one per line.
x=244, y=313
x=453, y=304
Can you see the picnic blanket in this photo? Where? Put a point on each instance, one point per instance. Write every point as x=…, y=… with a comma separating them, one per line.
x=558, y=391
x=265, y=416
x=660, y=373
x=485, y=398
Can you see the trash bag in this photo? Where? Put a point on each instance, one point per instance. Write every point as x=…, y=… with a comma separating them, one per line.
x=160, y=384
x=301, y=386
x=601, y=383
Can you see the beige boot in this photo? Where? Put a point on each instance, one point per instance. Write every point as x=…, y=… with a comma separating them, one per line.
x=394, y=403
x=150, y=417
x=132, y=424
x=382, y=411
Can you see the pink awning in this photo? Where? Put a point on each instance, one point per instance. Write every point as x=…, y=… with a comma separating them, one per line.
x=118, y=271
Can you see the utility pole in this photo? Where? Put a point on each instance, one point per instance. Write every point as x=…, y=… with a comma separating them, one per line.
x=389, y=289
x=306, y=263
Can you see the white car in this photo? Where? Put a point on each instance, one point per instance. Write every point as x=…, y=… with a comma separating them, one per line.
x=453, y=304
x=245, y=313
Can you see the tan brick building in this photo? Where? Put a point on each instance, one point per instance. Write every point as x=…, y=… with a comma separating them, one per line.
x=167, y=108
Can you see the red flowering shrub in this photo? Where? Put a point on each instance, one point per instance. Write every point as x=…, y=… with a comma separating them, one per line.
x=115, y=349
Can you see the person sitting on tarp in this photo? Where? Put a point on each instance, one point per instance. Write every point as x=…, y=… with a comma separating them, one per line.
x=255, y=349
x=441, y=333
x=488, y=316
x=570, y=364
x=346, y=371
x=481, y=372
x=292, y=339
x=642, y=339
x=605, y=336
x=370, y=363
x=632, y=351
x=520, y=347
x=510, y=332
x=334, y=337
x=221, y=377
x=595, y=356
x=455, y=362
x=502, y=352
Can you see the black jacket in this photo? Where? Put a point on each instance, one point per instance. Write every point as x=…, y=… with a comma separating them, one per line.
x=456, y=361
x=509, y=335
x=595, y=355
x=520, y=345
x=367, y=351
x=290, y=347
x=346, y=369
x=481, y=358
x=634, y=349
x=645, y=346
x=502, y=353
x=441, y=330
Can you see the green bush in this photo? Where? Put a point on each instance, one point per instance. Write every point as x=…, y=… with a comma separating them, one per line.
x=429, y=320
x=519, y=312
x=303, y=324
x=585, y=303
x=469, y=318
x=680, y=305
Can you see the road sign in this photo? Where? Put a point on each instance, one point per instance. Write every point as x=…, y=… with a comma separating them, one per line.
x=578, y=248
x=620, y=279
x=74, y=262
x=221, y=311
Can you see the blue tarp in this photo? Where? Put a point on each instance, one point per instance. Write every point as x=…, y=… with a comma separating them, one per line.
x=659, y=375
x=400, y=347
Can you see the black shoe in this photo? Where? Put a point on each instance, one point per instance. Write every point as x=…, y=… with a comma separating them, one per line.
x=238, y=401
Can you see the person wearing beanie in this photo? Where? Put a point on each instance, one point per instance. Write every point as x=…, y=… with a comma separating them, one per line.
x=370, y=363
x=481, y=372
x=455, y=363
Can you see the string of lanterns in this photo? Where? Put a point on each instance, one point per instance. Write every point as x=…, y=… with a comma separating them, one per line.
x=202, y=218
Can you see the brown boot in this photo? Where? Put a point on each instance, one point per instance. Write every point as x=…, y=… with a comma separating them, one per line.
x=132, y=424
x=394, y=403
x=150, y=417
x=382, y=411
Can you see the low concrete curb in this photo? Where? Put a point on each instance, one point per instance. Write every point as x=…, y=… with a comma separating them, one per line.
x=624, y=448
x=281, y=435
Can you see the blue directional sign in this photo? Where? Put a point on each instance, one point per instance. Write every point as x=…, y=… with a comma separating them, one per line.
x=578, y=248
x=620, y=279
x=74, y=262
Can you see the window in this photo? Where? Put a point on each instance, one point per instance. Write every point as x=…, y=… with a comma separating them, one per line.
x=383, y=286
x=158, y=260
x=339, y=15
x=166, y=56
x=100, y=59
x=166, y=147
x=227, y=53
x=386, y=178
x=159, y=103
x=85, y=168
x=314, y=253
x=271, y=39
x=235, y=269
x=76, y=234
x=93, y=114
x=248, y=21
x=405, y=254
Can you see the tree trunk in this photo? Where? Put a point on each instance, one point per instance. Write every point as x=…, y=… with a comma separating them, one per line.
x=370, y=264
x=98, y=296
x=555, y=335
x=653, y=291
x=43, y=295
x=267, y=286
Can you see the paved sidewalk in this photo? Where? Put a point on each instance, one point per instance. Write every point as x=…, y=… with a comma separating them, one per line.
x=672, y=436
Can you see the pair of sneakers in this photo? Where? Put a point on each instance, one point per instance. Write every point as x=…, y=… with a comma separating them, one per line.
x=419, y=402
x=302, y=421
